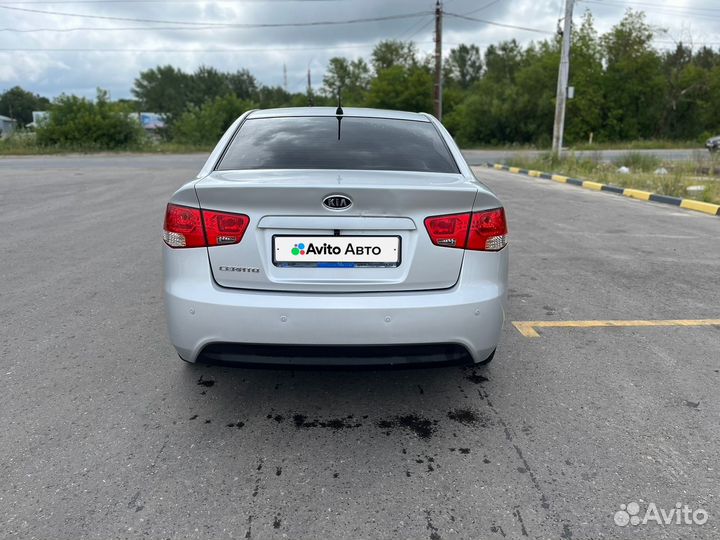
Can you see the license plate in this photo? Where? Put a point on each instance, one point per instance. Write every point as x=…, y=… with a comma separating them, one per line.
x=336, y=251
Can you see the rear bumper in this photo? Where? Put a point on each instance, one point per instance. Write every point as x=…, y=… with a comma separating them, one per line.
x=201, y=314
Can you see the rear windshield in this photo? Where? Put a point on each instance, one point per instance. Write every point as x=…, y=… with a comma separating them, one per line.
x=312, y=143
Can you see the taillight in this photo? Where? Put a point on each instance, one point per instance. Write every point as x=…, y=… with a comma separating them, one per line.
x=183, y=227
x=479, y=231
x=488, y=230
x=187, y=227
x=448, y=231
x=223, y=228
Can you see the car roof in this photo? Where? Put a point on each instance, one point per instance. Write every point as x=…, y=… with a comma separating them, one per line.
x=330, y=111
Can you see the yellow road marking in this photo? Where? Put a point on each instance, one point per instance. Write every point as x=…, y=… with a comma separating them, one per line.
x=527, y=328
x=592, y=185
x=534, y=173
x=498, y=166
x=514, y=169
x=637, y=194
x=708, y=208
x=559, y=178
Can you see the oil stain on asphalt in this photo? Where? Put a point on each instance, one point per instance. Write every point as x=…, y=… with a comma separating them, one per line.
x=335, y=424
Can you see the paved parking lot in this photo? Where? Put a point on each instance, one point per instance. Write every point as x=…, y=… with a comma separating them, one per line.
x=106, y=434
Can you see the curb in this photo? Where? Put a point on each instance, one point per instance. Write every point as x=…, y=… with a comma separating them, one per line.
x=689, y=204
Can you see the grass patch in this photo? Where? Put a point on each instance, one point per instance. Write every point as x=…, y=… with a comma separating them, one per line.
x=702, y=174
x=650, y=144
x=24, y=144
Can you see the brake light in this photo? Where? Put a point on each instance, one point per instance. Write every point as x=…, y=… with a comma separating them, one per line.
x=488, y=230
x=183, y=227
x=187, y=227
x=448, y=231
x=478, y=231
x=223, y=228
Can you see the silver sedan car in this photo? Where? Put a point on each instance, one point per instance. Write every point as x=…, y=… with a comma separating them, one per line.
x=322, y=235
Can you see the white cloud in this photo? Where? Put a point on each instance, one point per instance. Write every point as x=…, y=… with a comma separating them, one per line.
x=55, y=71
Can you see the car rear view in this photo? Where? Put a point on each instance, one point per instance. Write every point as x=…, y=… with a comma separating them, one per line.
x=323, y=228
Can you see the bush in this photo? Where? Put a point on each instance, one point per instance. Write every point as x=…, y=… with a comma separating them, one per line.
x=204, y=125
x=76, y=122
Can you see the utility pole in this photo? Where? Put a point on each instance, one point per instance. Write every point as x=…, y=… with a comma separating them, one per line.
x=309, y=89
x=285, y=76
x=438, y=61
x=562, y=85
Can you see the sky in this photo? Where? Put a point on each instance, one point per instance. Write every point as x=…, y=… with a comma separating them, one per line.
x=46, y=48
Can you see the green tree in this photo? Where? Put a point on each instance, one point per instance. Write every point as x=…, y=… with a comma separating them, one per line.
x=585, y=111
x=207, y=83
x=205, y=124
x=243, y=84
x=391, y=53
x=401, y=88
x=275, y=96
x=76, y=122
x=19, y=104
x=163, y=89
x=496, y=109
x=711, y=107
x=633, y=85
x=686, y=91
x=463, y=66
x=503, y=60
x=351, y=78
x=532, y=110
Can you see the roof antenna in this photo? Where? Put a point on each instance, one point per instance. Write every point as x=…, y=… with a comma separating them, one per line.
x=339, y=111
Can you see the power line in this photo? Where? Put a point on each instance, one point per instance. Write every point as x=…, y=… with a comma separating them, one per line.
x=220, y=25
x=114, y=29
x=416, y=32
x=662, y=9
x=653, y=5
x=409, y=29
x=172, y=50
x=60, y=2
x=503, y=25
x=483, y=7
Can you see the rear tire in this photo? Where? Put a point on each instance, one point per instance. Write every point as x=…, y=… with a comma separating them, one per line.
x=487, y=360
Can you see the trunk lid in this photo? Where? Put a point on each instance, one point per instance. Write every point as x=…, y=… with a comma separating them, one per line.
x=288, y=205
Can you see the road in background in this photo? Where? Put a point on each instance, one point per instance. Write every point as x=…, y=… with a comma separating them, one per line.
x=106, y=434
x=480, y=157
x=194, y=161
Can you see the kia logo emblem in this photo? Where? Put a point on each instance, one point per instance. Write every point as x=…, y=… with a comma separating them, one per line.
x=337, y=202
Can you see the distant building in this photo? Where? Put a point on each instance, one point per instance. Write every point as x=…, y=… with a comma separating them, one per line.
x=7, y=126
x=151, y=121
x=38, y=118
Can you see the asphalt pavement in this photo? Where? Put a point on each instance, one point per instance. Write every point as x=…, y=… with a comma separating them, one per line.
x=107, y=434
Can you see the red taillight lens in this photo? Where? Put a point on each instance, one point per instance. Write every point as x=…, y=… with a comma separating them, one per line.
x=223, y=228
x=488, y=230
x=448, y=231
x=480, y=231
x=184, y=227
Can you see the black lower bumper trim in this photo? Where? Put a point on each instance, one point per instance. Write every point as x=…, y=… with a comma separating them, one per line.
x=294, y=356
